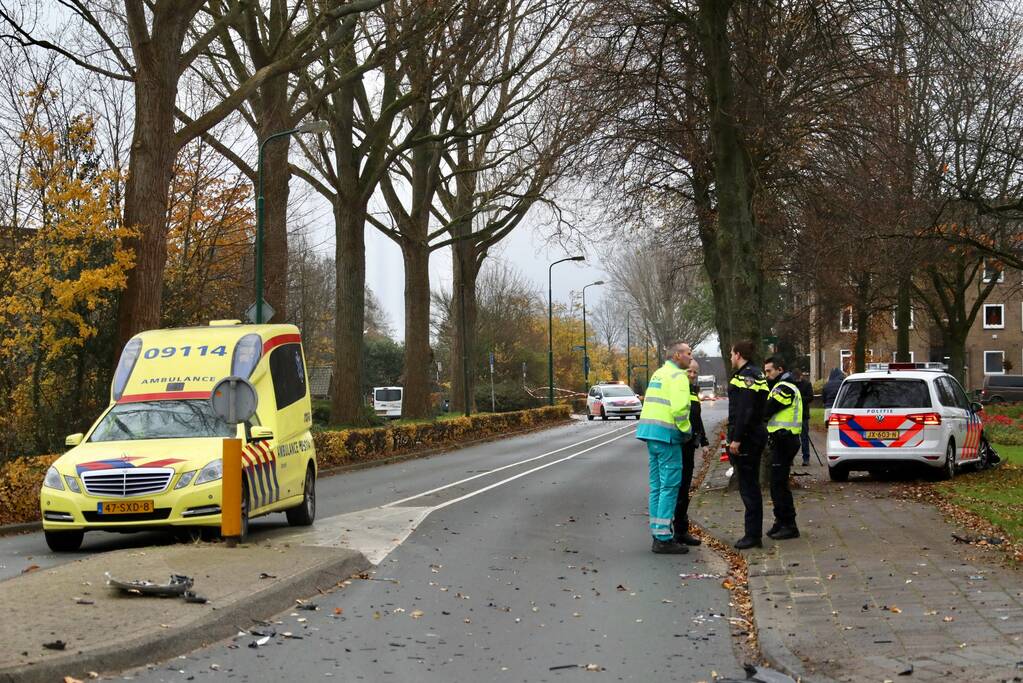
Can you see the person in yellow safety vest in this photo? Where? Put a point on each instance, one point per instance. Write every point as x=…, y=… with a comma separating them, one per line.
x=784, y=414
x=698, y=440
x=664, y=426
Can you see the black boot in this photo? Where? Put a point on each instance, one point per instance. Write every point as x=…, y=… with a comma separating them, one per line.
x=784, y=533
x=668, y=548
x=687, y=539
x=748, y=542
x=773, y=530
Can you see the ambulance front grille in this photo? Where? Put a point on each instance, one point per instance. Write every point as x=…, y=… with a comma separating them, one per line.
x=133, y=481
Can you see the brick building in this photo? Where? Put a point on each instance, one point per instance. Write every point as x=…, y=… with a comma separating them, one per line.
x=994, y=345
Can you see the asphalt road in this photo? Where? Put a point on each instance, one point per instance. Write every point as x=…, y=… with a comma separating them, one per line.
x=534, y=556
x=514, y=575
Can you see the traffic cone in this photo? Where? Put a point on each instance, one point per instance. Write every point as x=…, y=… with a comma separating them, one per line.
x=724, y=448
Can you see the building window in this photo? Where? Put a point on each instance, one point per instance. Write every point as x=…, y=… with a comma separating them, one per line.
x=845, y=356
x=912, y=356
x=994, y=317
x=994, y=362
x=895, y=322
x=993, y=270
x=848, y=321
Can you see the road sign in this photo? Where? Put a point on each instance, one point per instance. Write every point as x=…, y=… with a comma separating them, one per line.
x=233, y=400
x=268, y=312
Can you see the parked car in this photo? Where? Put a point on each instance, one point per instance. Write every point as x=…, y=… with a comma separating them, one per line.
x=153, y=458
x=612, y=400
x=1002, y=389
x=904, y=415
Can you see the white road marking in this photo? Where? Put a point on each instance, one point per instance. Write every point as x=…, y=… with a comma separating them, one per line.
x=376, y=532
x=522, y=474
x=498, y=469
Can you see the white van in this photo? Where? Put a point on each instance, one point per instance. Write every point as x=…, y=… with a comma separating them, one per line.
x=387, y=401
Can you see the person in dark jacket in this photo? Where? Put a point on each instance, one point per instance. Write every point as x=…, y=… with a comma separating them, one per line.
x=830, y=392
x=806, y=393
x=697, y=440
x=747, y=436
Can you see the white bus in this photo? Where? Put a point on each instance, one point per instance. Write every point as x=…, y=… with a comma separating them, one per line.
x=387, y=401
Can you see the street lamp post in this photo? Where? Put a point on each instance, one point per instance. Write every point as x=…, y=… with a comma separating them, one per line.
x=550, y=326
x=310, y=127
x=586, y=358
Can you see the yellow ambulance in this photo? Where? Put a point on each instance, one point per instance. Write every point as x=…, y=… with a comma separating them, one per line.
x=153, y=458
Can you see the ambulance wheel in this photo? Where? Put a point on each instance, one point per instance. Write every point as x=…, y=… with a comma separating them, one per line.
x=838, y=473
x=304, y=514
x=949, y=469
x=64, y=541
x=603, y=414
x=187, y=534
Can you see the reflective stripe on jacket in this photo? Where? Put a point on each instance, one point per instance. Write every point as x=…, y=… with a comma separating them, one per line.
x=785, y=406
x=665, y=415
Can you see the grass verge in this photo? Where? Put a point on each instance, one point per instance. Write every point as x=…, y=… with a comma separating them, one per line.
x=995, y=495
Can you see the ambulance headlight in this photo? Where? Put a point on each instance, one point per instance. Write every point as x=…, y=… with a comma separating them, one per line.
x=212, y=472
x=52, y=480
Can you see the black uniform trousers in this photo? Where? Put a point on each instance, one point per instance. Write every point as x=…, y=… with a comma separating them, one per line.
x=784, y=446
x=747, y=470
x=681, y=521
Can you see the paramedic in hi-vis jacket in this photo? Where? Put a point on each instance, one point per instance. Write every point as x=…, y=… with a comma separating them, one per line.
x=664, y=426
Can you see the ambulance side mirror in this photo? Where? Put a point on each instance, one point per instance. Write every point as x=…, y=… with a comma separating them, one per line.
x=73, y=439
x=261, y=434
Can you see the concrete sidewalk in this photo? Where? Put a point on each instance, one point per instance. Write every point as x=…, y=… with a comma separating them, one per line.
x=118, y=631
x=875, y=588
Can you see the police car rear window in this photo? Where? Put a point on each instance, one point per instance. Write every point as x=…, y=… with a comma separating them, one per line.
x=884, y=393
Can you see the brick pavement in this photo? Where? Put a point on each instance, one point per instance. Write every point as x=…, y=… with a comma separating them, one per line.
x=874, y=587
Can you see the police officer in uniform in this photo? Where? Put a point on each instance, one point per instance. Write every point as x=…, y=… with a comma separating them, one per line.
x=747, y=436
x=664, y=426
x=698, y=440
x=784, y=413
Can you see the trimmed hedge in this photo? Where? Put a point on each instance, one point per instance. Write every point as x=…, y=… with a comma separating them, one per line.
x=351, y=446
x=21, y=478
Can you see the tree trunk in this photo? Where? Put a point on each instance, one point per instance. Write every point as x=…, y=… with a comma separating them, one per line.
x=957, y=356
x=737, y=240
x=346, y=400
x=465, y=272
x=150, y=168
x=903, y=318
x=862, y=324
x=154, y=149
x=274, y=118
x=416, y=401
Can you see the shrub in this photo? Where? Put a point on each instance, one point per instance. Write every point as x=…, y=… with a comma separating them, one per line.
x=20, y=479
x=349, y=446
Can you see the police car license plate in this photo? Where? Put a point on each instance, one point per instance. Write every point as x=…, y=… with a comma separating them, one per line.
x=125, y=507
x=882, y=435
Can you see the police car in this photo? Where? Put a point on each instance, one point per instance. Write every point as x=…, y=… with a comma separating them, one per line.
x=901, y=414
x=612, y=399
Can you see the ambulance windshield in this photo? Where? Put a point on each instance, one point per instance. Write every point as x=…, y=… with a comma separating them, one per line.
x=161, y=420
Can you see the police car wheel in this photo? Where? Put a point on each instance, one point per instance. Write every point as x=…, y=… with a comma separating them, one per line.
x=304, y=514
x=838, y=473
x=589, y=416
x=949, y=469
x=985, y=454
x=64, y=541
x=603, y=414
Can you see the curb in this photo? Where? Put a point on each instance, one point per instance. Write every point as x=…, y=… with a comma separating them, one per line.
x=210, y=627
x=20, y=528
x=26, y=527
